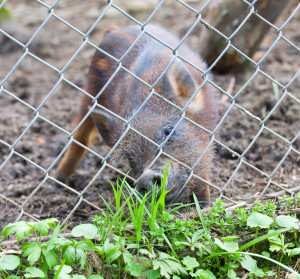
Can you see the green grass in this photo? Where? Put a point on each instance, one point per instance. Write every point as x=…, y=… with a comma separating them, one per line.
x=139, y=237
x=5, y=13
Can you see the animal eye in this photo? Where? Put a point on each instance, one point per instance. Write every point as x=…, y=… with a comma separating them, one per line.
x=132, y=162
x=167, y=131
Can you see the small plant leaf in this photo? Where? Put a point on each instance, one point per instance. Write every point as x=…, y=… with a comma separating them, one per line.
x=230, y=238
x=127, y=257
x=132, y=246
x=272, y=273
x=34, y=272
x=77, y=276
x=65, y=268
x=182, y=243
x=55, y=233
x=231, y=274
x=113, y=255
x=152, y=274
x=32, y=251
x=274, y=248
x=275, y=239
x=164, y=268
x=13, y=277
x=259, y=273
x=8, y=230
x=196, y=236
x=257, y=219
x=96, y=276
x=204, y=274
x=249, y=264
x=229, y=246
x=108, y=246
x=164, y=256
x=88, y=231
x=148, y=253
x=69, y=254
x=266, y=254
x=9, y=262
x=43, y=226
x=21, y=228
x=294, y=252
x=168, y=265
x=51, y=258
x=84, y=246
x=81, y=256
x=64, y=272
x=287, y=222
x=190, y=262
x=134, y=269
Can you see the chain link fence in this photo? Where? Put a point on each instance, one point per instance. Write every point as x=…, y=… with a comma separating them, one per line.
x=45, y=55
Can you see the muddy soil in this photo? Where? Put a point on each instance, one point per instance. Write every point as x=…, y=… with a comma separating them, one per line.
x=37, y=99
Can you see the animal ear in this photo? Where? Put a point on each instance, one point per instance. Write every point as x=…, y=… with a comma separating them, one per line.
x=177, y=79
x=185, y=82
x=106, y=125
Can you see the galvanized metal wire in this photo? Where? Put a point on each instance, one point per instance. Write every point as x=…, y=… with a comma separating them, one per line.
x=198, y=19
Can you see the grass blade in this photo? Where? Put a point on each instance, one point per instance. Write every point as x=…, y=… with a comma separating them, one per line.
x=207, y=233
x=263, y=237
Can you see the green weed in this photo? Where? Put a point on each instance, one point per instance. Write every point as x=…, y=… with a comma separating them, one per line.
x=141, y=237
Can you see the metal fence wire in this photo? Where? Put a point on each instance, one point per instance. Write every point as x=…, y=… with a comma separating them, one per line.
x=257, y=147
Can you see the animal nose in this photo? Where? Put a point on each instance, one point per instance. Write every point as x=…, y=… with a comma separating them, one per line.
x=148, y=181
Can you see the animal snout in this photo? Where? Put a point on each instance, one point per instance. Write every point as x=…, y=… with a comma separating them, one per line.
x=148, y=181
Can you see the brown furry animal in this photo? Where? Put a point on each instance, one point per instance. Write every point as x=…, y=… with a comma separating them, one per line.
x=125, y=94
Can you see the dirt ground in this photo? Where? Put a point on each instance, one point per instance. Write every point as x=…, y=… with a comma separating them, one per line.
x=29, y=86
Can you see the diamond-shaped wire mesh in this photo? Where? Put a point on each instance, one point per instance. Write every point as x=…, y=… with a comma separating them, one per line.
x=45, y=53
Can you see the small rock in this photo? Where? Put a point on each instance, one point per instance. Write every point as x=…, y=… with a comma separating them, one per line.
x=112, y=13
x=137, y=6
x=92, y=13
x=291, y=276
